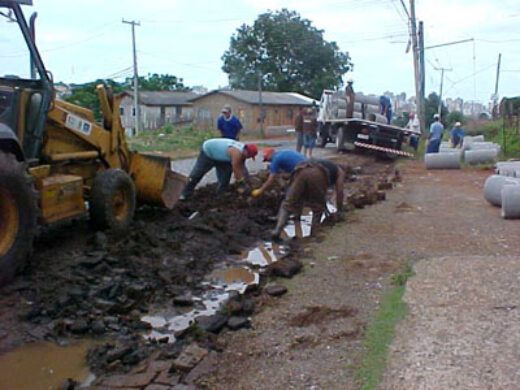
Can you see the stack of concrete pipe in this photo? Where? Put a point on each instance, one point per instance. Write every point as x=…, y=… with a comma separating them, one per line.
x=503, y=189
x=367, y=104
x=474, y=151
x=447, y=158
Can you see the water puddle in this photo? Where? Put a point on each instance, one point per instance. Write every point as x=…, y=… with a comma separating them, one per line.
x=44, y=366
x=234, y=279
x=264, y=254
x=166, y=326
x=231, y=276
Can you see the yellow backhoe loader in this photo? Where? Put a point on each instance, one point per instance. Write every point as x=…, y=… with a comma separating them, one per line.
x=57, y=163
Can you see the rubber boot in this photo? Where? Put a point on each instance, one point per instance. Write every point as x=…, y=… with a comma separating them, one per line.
x=283, y=216
x=316, y=221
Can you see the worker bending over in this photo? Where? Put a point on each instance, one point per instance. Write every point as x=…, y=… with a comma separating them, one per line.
x=226, y=156
x=281, y=161
x=308, y=188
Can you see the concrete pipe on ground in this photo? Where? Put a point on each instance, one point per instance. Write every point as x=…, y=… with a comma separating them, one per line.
x=493, y=188
x=510, y=201
x=451, y=151
x=480, y=156
x=442, y=160
x=508, y=168
x=468, y=141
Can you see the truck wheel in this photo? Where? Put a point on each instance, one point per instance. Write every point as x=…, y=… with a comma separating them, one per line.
x=112, y=200
x=321, y=140
x=323, y=136
x=340, y=139
x=18, y=213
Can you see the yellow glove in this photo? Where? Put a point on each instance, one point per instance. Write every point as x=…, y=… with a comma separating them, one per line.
x=256, y=193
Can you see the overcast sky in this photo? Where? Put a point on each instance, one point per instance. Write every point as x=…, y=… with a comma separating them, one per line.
x=81, y=41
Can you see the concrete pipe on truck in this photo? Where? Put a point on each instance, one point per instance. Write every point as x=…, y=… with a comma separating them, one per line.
x=442, y=160
x=480, y=156
x=510, y=201
x=493, y=188
x=360, y=98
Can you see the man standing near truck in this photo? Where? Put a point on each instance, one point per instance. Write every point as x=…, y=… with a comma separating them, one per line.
x=309, y=132
x=298, y=128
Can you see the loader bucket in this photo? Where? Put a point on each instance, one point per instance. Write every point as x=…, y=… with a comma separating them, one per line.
x=155, y=182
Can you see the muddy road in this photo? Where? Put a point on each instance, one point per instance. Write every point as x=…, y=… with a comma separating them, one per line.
x=174, y=281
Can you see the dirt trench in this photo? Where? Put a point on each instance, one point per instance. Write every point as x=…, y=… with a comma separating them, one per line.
x=80, y=284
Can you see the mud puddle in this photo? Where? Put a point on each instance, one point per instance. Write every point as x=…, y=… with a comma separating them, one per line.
x=45, y=366
x=166, y=326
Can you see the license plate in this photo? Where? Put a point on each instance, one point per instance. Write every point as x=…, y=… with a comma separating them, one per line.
x=363, y=136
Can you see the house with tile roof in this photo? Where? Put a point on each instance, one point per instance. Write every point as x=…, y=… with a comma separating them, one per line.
x=278, y=109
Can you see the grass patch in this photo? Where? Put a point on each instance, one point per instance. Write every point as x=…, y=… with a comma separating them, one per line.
x=170, y=138
x=507, y=137
x=380, y=331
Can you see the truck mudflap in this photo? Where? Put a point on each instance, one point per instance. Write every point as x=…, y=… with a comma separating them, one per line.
x=383, y=149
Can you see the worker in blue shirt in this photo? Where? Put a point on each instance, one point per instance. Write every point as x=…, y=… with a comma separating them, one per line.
x=227, y=156
x=385, y=107
x=435, y=137
x=281, y=161
x=228, y=124
x=457, y=135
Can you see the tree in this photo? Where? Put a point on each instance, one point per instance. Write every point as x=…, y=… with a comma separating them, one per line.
x=85, y=95
x=432, y=108
x=454, y=117
x=288, y=52
x=158, y=82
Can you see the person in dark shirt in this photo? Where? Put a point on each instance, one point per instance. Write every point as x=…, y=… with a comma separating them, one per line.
x=228, y=124
x=308, y=188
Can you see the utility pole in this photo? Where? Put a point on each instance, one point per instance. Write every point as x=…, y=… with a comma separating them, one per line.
x=422, y=71
x=260, y=104
x=440, y=92
x=415, y=51
x=133, y=23
x=495, y=95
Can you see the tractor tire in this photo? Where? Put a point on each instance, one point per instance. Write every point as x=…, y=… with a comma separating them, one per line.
x=112, y=200
x=18, y=216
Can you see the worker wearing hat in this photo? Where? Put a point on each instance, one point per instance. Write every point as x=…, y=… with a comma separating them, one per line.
x=436, y=133
x=350, y=97
x=281, y=161
x=227, y=156
x=228, y=124
x=457, y=135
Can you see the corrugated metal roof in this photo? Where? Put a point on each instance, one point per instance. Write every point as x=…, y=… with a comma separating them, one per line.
x=269, y=98
x=164, y=98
